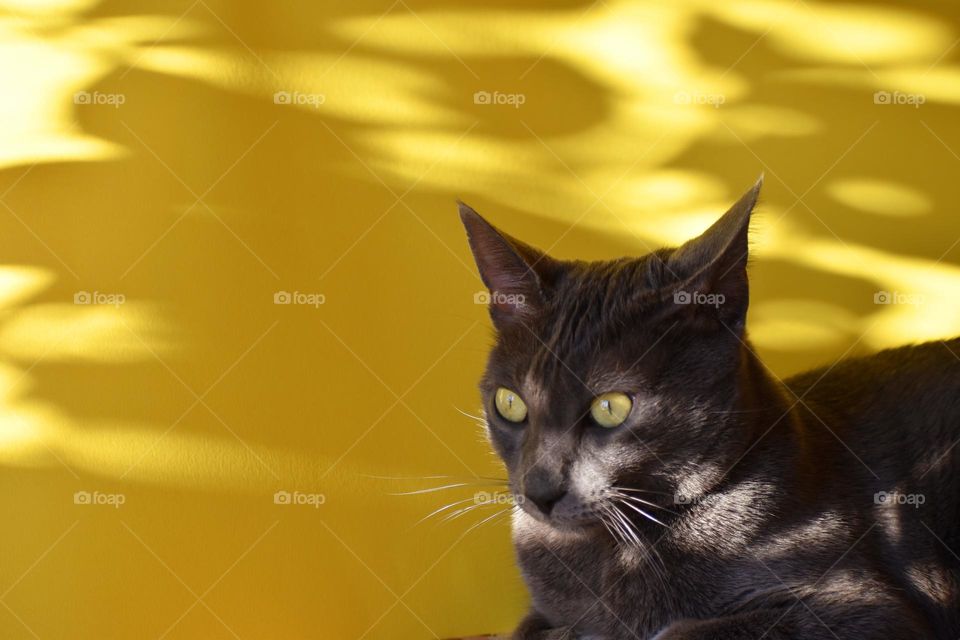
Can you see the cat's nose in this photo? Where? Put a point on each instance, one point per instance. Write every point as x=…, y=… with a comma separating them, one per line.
x=543, y=491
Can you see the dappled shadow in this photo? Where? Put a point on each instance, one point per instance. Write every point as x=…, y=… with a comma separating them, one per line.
x=621, y=127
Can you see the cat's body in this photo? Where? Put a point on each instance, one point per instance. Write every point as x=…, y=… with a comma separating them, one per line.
x=672, y=488
x=798, y=516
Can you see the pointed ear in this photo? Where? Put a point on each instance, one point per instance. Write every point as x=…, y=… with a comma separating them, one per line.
x=515, y=273
x=713, y=267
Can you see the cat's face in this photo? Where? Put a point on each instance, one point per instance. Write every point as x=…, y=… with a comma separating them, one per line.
x=610, y=384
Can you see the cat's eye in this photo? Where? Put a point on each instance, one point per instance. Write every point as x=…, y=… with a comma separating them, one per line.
x=510, y=406
x=611, y=409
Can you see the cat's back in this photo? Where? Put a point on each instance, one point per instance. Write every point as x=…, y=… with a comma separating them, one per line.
x=907, y=397
x=898, y=410
x=882, y=433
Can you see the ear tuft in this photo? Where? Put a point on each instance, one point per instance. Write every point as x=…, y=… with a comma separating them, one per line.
x=715, y=263
x=510, y=269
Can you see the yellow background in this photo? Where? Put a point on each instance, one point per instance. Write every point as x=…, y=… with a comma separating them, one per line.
x=200, y=197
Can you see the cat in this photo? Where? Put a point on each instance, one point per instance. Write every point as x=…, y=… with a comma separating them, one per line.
x=671, y=488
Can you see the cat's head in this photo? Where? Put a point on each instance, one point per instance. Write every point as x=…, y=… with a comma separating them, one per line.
x=618, y=379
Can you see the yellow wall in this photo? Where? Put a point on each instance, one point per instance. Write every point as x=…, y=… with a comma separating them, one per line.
x=199, y=197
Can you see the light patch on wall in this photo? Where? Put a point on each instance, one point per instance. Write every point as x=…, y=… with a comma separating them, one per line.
x=20, y=433
x=913, y=296
x=881, y=197
x=840, y=32
x=24, y=425
x=19, y=283
x=16, y=434
x=907, y=86
x=809, y=323
x=671, y=189
x=45, y=7
x=672, y=227
x=756, y=121
x=97, y=333
x=39, y=107
x=931, y=84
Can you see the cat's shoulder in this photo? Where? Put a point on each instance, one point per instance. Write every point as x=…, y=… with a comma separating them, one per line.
x=926, y=358
x=936, y=361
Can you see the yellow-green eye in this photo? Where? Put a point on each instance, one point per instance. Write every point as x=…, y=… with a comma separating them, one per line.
x=611, y=409
x=510, y=406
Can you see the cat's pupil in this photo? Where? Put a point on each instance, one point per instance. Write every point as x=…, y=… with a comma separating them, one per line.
x=606, y=405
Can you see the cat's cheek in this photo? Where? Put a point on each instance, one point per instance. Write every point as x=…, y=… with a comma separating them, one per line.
x=505, y=442
x=527, y=530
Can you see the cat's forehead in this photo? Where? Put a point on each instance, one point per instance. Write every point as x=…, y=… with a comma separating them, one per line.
x=583, y=364
x=541, y=389
x=593, y=334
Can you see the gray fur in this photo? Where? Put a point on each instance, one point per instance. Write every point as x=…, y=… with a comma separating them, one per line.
x=766, y=491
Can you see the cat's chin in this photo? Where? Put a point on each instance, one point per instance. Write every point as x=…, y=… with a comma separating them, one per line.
x=579, y=527
x=534, y=531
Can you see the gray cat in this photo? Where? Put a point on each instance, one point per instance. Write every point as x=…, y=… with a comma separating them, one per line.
x=672, y=489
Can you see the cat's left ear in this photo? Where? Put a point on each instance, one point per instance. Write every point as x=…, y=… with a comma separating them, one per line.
x=713, y=267
x=516, y=274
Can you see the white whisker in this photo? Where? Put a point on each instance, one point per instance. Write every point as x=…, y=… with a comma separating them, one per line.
x=630, y=489
x=487, y=519
x=443, y=508
x=437, y=477
x=602, y=517
x=449, y=486
x=626, y=526
x=649, y=504
x=616, y=527
x=644, y=514
x=479, y=419
x=453, y=515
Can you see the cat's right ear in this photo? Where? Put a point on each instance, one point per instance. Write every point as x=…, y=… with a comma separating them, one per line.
x=515, y=273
